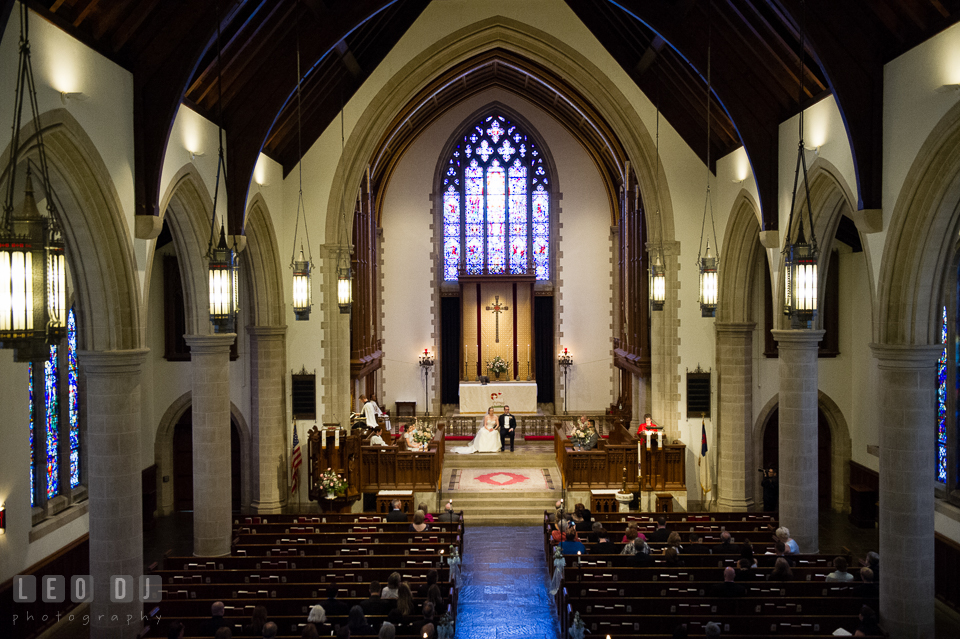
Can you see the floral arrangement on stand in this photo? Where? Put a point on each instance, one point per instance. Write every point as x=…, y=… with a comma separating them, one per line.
x=422, y=433
x=582, y=433
x=499, y=366
x=332, y=484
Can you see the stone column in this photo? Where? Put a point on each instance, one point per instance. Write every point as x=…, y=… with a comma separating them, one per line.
x=907, y=396
x=736, y=464
x=210, y=366
x=268, y=408
x=798, y=435
x=112, y=411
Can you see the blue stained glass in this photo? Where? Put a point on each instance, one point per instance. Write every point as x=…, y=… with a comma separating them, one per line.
x=51, y=391
x=495, y=131
x=942, y=403
x=541, y=234
x=518, y=217
x=73, y=399
x=506, y=150
x=473, y=175
x=485, y=150
x=496, y=219
x=33, y=448
x=451, y=234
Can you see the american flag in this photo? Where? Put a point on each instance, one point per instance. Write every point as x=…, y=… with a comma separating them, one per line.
x=295, y=460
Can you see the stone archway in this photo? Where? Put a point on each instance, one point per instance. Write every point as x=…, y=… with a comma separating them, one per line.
x=163, y=453
x=841, y=447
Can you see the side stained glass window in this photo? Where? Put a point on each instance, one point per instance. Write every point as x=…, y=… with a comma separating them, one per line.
x=50, y=384
x=942, y=403
x=33, y=445
x=503, y=226
x=73, y=399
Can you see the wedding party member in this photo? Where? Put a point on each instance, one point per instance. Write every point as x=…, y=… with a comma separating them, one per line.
x=508, y=428
x=486, y=440
x=368, y=414
x=646, y=425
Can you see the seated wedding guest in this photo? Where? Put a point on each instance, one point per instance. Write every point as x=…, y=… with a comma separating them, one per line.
x=783, y=534
x=780, y=550
x=728, y=588
x=428, y=631
x=641, y=554
x=392, y=589
x=333, y=606
x=869, y=590
x=604, y=545
x=318, y=619
x=358, y=622
x=375, y=604
x=840, y=574
x=695, y=546
x=395, y=513
x=401, y=626
x=711, y=629
x=448, y=514
x=419, y=522
x=745, y=570
x=746, y=552
x=209, y=627
x=726, y=545
x=560, y=533
x=674, y=541
x=224, y=633
x=435, y=597
x=419, y=627
x=869, y=624
x=671, y=557
x=582, y=518
x=661, y=534
x=387, y=631
x=781, y=571
x=426, y=513
x=310, y=632
x=594, y=527
x=432, y=578
x=405, y=600
x=257, y=621
x=269, y=630
x=872, y=562
x=571, y=546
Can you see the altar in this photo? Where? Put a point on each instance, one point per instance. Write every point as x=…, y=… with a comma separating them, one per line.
x=476, y=398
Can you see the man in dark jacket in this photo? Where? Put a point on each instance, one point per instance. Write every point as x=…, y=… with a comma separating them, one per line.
x=771, y=490
x=333, y=606
x=726, y=546
x=395, y=513
x=729, y=588
x=660, y=535
x=375, y=605
x=604, y=545
x=209, y=627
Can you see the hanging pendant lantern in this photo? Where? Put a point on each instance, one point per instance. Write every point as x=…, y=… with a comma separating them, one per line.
x=224, y=266
x=708, y=284
x=344, y=284
x=302, y=293
x=658, y=284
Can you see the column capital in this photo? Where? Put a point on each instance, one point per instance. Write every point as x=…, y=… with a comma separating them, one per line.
x=797, y=337
x=119, y=362
x=734, y=327
x=266, y=331
x=214, y=343
x=906, y=356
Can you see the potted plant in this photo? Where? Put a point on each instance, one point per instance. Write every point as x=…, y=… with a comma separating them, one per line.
x=332, y=484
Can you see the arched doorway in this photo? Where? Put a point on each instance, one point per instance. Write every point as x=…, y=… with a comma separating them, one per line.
x=771, y=454
x=183, y=463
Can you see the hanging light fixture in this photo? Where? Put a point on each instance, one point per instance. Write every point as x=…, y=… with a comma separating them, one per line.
x=302, y=290
x=707, y=262
x=344, y=272
x=800, y=257
x=224, y=263
x=658, y=274
x=32, y=266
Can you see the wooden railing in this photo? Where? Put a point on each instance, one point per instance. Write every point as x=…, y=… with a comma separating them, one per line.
x=395, y=467
x=603, y=467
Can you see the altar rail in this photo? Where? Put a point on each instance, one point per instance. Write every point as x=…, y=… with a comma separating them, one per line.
x=604, y=466
x=395, y=467
x=527, y=425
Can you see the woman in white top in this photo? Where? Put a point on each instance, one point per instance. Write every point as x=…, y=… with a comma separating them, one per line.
x=487, y=439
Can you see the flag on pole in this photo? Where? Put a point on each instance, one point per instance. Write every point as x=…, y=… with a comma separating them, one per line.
x=295, y=460
x=705, y=484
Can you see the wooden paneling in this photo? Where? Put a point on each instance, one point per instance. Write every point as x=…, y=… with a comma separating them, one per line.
x=947, y=567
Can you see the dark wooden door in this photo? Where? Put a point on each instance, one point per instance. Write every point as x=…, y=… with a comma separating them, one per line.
x=771, y=453
x=183, y=464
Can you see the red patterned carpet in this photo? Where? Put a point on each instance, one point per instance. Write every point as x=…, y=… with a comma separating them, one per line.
x=501, y=479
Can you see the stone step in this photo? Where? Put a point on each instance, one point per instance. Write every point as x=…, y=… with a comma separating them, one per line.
x=498, y=460
x=502, y=496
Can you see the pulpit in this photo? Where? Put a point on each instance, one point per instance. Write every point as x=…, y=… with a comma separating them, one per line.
x=331, y=448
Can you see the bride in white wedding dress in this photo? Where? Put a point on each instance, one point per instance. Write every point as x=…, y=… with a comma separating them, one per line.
x=487, y=439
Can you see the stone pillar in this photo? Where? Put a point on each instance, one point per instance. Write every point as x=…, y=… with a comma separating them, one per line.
x=210, y=366
x=736, y=465
x=112, y=411
x=907, y=396
x=798, y=436
x=268, y=408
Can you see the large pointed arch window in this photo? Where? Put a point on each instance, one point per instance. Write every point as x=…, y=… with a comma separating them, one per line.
x=496, y=204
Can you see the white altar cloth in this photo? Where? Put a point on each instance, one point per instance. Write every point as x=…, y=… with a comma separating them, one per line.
x=476, y=398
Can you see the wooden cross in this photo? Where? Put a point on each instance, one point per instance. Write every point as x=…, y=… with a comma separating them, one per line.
x=497, y=308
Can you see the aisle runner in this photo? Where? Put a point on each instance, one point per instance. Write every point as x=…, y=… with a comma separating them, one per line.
x=486, y=480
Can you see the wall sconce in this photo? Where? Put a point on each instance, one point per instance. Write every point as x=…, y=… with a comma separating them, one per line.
x=195, y=154
x=3, y=519
x=73, y=95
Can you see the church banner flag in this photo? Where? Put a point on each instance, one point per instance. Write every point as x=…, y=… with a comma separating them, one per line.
x=295, y=461
x=705, y=484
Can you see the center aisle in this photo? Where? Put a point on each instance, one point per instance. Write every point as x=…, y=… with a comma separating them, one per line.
x=504, y=591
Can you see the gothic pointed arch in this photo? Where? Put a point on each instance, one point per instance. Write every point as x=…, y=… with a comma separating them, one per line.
x=262, y=262
x=742, y=249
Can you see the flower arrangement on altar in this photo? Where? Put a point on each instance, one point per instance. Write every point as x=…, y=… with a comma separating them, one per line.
x=332, y=483
x=498, y=365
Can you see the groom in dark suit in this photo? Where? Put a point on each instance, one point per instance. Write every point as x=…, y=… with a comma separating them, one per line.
x=508, y=428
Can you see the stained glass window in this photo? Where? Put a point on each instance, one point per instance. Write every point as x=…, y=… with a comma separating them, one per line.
x=942, y=403
x=498, y=174
x=73, y=399
x=33, y=447
x=50, y=386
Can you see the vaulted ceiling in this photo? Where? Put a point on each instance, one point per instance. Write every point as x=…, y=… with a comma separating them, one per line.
x=755, y=68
